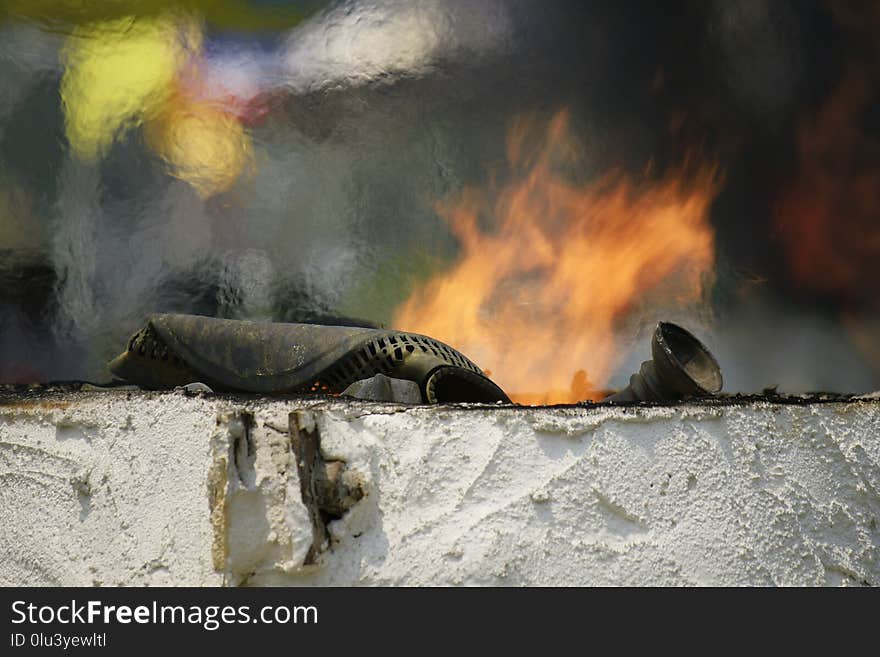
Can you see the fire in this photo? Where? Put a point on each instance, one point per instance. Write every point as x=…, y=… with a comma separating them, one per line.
x=827, y=219
x=539, y=296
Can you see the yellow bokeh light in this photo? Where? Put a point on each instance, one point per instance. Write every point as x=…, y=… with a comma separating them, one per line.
x=116, y=74
x=125, y=73
x=202, y=144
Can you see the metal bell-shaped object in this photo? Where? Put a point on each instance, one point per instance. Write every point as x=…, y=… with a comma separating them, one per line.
x=681, y=366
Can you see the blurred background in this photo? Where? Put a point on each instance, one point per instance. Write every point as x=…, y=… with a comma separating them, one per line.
x=536, y=183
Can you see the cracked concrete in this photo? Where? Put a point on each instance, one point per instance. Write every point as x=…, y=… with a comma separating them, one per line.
x=165, y=489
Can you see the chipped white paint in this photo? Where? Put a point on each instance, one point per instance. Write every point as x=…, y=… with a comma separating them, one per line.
x=117, y=490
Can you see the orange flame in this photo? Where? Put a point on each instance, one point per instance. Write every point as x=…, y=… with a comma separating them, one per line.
x=539, y=296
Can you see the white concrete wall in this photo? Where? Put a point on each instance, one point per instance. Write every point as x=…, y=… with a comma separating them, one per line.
x=163, y=489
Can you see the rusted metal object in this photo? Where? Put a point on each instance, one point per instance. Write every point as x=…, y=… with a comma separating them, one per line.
x=263, y=357
x=681, y=366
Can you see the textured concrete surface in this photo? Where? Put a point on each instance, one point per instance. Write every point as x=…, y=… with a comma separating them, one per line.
x=116, y=488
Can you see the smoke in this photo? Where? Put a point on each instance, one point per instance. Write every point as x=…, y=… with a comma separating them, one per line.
x=793, y=352
x=26, y=54
x=344, y=133
x=760, y=52
x=357, y=43
x=760, y=347
x=344, y=177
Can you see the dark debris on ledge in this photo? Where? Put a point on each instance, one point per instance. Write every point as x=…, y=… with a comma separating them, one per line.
x=18, y=393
